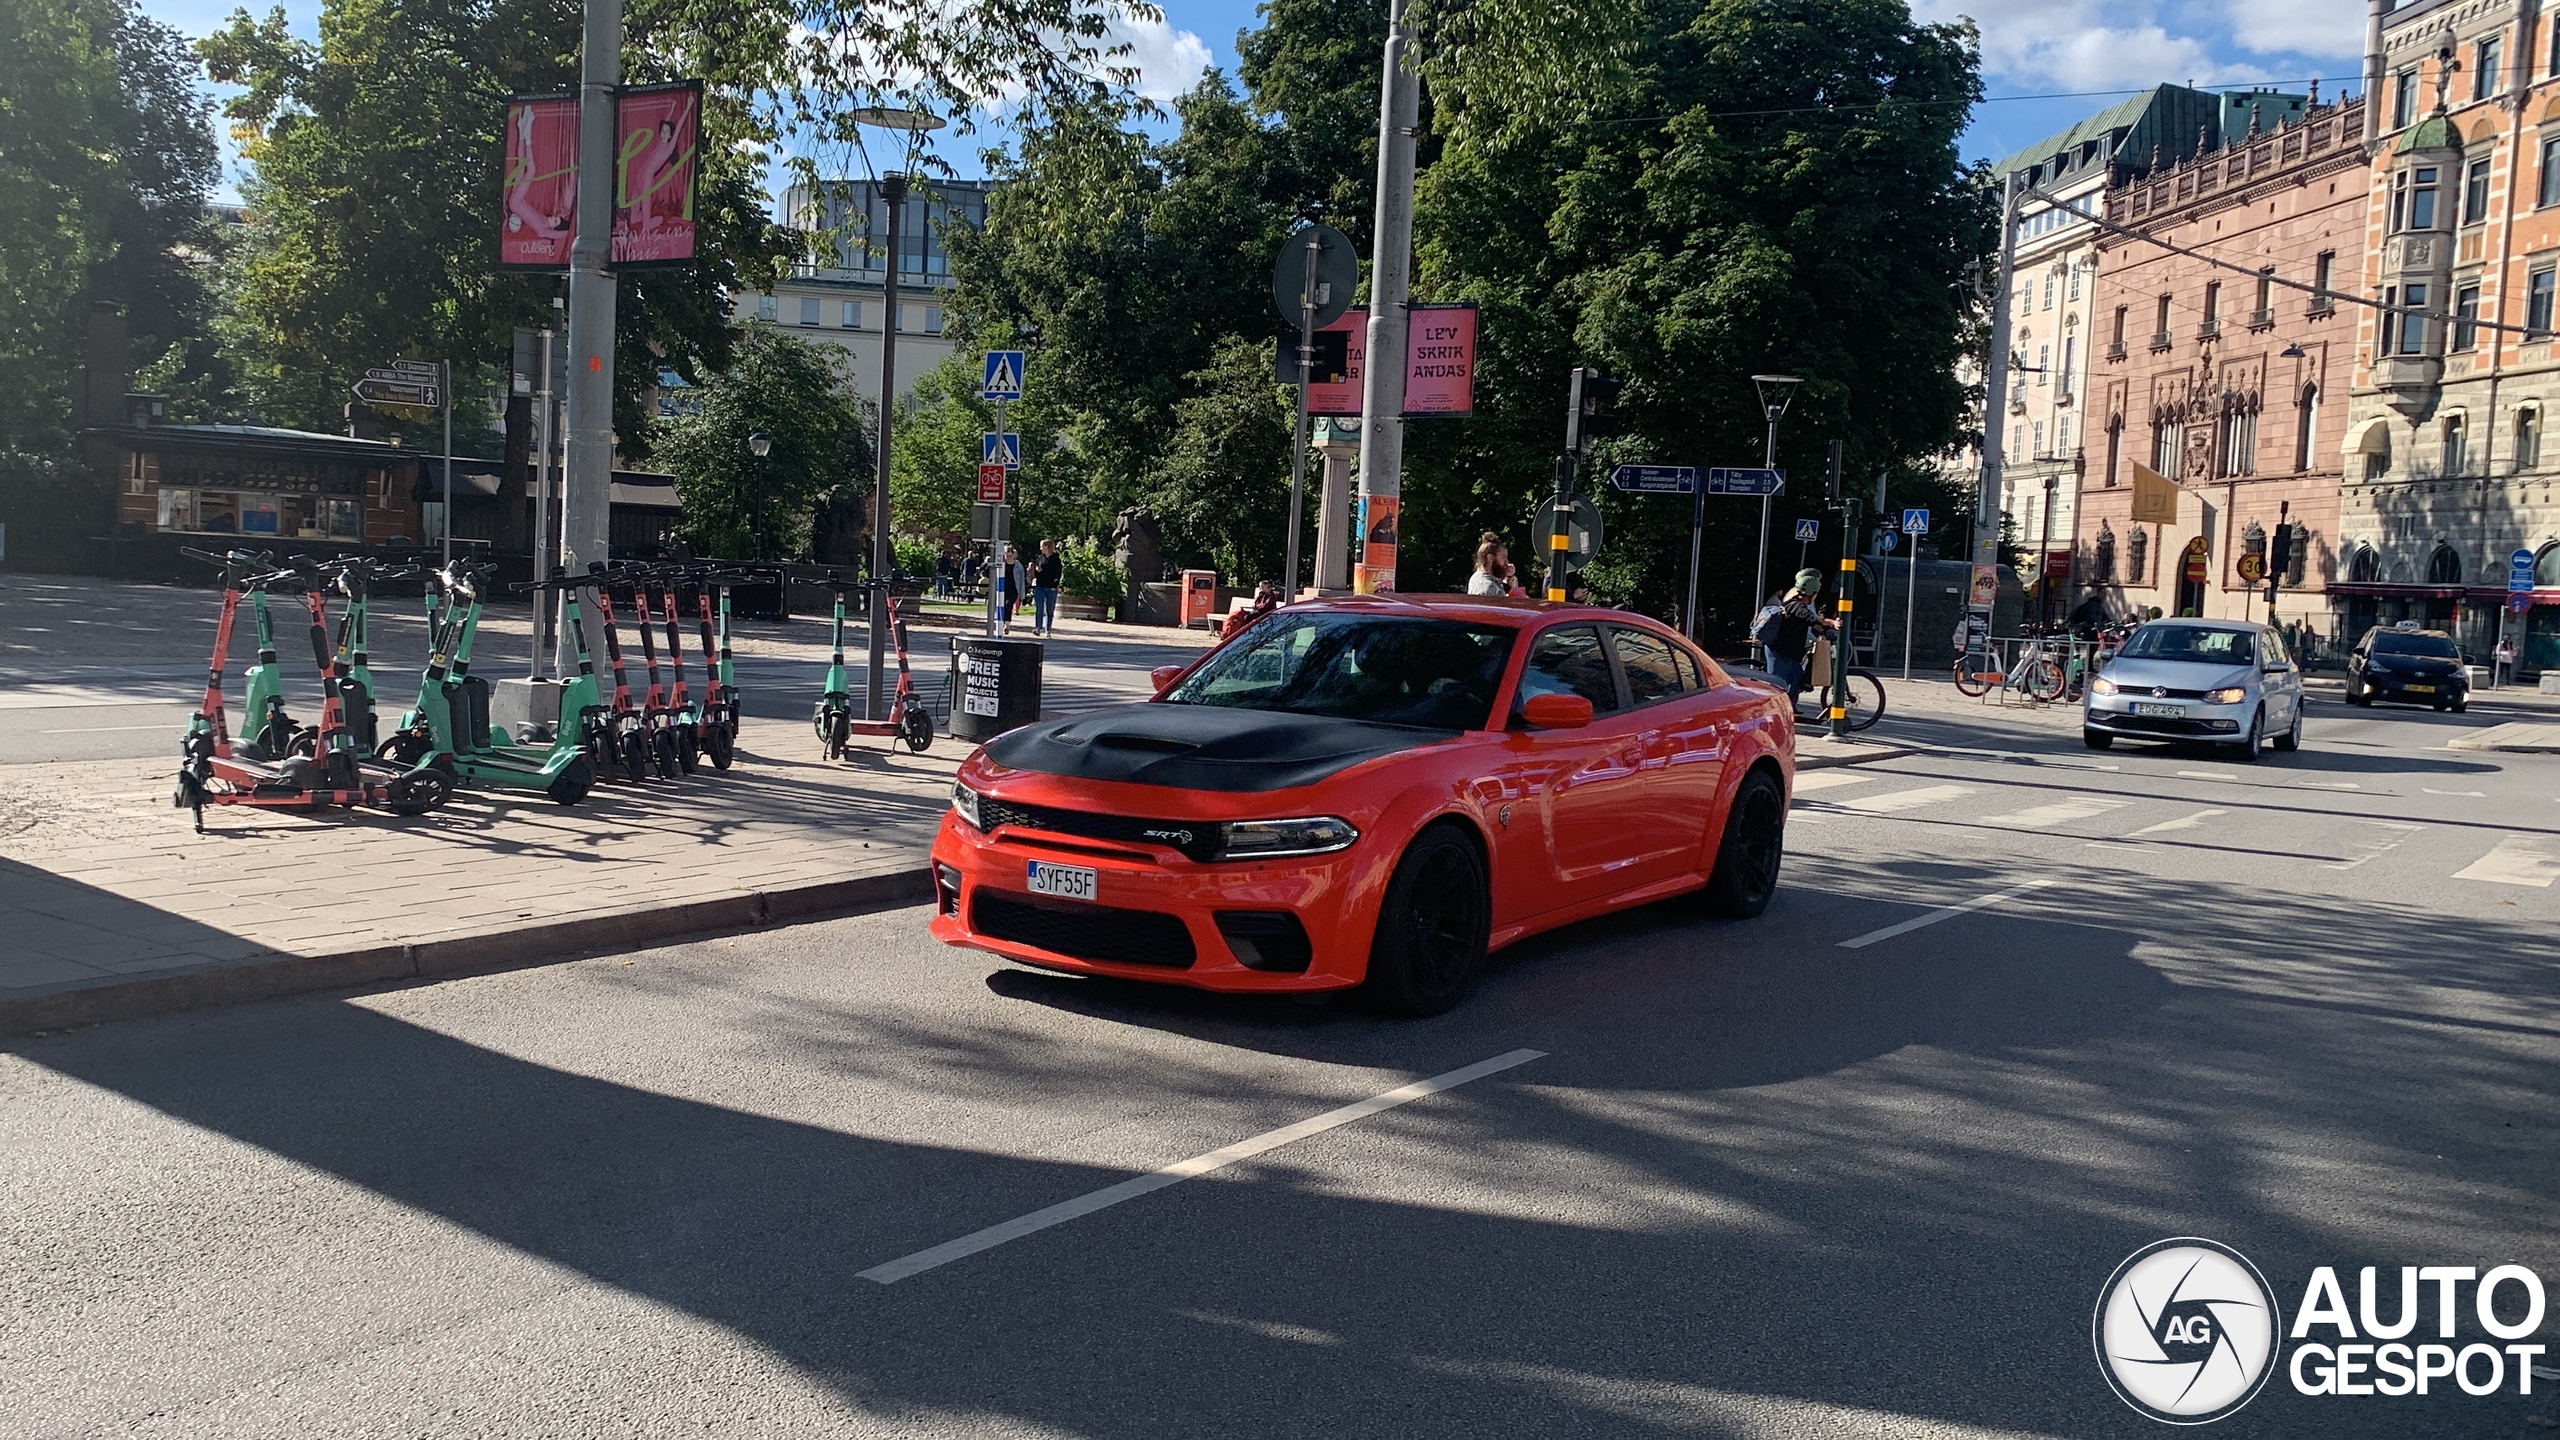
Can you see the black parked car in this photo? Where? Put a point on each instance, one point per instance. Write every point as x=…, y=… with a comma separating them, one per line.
x=2413, y=667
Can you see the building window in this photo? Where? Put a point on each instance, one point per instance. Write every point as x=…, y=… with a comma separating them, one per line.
x=2306, y=421
x=2168, y=441
x=933, y=319
x=2160, y=326
x=2457, y=457
x=2048, y=290
x=2444, y=566
x=2364, y=566
x=2070, y=353
x=2240, y=443
x=808, y=310
x=2115, y=448
x=2487, y=57
x=2074, y=291
x=2321, y=270
x=2413, y=323
x=2404, y=98
x=2466, y=317
x=2017, y=439
x=2212, y=302
x=768, y=309
x=2420, y=185
x=2538, y=287
x=851, y=316
x=2475, y=192
x=2039, y=432
x=2546, y=568
x=2550, y=193
x=2554, y=66
x=2137, y=555
x=2388, y=324
x=2253, y=540
x=2117, y=336
x=2528, y=439
x=2044, y=364
x=2264, y=312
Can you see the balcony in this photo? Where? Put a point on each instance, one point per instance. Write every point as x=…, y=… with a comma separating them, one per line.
x=2319, y=305
x=2262, y=318
x=2208, y=328
x=2159, y=340
x=2115, y=349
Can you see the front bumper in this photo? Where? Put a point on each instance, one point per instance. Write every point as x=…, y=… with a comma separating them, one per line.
x=2194, y=720
x=1159, y=916
x=2416, y=689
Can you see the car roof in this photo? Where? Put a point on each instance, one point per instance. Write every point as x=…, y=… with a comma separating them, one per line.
x=2191, y=622
x=1483, y=609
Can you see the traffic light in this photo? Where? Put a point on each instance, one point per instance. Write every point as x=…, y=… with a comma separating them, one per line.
x=1590, y=408
x=2280, y=549
x=1834, y=472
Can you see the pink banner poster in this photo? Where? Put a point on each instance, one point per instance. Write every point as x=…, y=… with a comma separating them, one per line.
x=1343, y=399
x=541, y=184
x=1440, y=369
x=657, y=142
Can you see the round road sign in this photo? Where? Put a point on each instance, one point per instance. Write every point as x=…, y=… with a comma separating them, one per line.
x=2253, y=568
x=1580, y=540
x=1337, y=274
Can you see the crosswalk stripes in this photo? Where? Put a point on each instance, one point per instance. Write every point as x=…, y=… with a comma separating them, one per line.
x=2515, y=860
x=1810, y=782
x=1901, y=800
x=2183, y=822
x=2059, y=812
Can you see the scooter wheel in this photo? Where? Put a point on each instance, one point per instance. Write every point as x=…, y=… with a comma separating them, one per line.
x=419, y=791
x=688, y=750
x=662, y=754
x=916, y=729
x=573, y=782
x=717, y=744
x=635, y=757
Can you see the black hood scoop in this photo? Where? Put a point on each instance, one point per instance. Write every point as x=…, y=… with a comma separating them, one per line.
x=1203, y=747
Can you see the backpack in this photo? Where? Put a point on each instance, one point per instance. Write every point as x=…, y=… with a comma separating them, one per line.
x=1764, y=625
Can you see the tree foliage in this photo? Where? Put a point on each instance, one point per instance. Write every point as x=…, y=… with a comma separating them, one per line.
x=740, y=507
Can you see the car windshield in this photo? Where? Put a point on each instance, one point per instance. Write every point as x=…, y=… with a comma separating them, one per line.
x=2194, y=643
x=2394, y=642
x=1392, y=670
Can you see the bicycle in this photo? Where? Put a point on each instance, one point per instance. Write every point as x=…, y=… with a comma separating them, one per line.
x=1866, y=698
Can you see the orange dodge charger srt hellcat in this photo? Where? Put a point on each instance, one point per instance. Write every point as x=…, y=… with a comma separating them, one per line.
x=1373, y=791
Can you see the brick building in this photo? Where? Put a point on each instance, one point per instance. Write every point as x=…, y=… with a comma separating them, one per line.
x=2220, y=379
x=2448, y=472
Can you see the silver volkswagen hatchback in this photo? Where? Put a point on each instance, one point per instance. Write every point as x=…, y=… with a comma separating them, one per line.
x=2227, y=682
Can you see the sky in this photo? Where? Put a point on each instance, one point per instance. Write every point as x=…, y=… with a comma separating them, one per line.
x=2047, y=63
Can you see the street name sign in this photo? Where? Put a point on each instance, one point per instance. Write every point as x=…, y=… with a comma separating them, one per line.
x=1003, y=376
x=1653, y=479
x=1721, y=481
x=386, y=387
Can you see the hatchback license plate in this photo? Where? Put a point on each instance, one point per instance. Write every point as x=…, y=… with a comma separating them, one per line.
x=2165, y=712
x=1069, y=882
x=2419, y=689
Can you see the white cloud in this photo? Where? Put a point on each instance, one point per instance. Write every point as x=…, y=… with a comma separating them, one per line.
x=1168, y=61
x=2327, y=29
x=2082, y=45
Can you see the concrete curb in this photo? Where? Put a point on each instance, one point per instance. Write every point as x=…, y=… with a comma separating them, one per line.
x=544, y=944
x=1833, y=754
x=2515, y=737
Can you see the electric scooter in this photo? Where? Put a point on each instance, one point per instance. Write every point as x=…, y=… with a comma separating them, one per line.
x=585, y=720
x=721, y=714
x=268, y=725
x=832, y=717
x=688, y=718
x=212, y=772
x=630, y=747
x=657, y=718
x=449, y=726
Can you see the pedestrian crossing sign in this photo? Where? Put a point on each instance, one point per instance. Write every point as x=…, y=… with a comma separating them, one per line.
x=1004, y=449
x=1004, y=376
x=1808, y=530
x=1915, y=521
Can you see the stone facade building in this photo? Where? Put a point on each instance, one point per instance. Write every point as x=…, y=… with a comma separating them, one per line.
x=845, y=304
x=2220, y=379
x=2447, y=468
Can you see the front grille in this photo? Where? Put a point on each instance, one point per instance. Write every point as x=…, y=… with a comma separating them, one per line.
x=1086, y=932
x=2162, y=725
x=1197, y=839
x=2145, y=692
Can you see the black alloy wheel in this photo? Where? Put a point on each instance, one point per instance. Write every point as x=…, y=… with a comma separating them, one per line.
x=1432, y=926
x=2096, y=739
x=1754, y=846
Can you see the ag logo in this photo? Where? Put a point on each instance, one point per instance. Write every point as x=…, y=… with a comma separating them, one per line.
x=2186, y=1331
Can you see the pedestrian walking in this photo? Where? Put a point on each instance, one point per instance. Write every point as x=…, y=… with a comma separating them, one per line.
x=1493, y=573
x=2504, y=668
x=1786, y=630
x=1047, y=574
x=946, y=576
x=1007, y=587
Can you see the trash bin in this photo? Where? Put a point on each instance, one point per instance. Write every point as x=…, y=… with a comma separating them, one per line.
x=995, y=685
x=1199, y=596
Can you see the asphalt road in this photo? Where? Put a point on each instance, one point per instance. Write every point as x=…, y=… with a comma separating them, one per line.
x=1756, y=1182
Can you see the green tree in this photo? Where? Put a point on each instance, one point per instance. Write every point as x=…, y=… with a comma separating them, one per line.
x=1224, y=482
x=738, y=506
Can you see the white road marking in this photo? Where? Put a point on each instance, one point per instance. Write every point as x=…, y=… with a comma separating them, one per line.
x=1903, y=799
x=2516, y=860
x=2400, y=836
x=2205, y=775
x=1943, y=912
x=2060, y=812
x=893, y=1271
x=2114, y=845
x=2327, y=785
x=1827, y=780
x=2183, y=822
x=2473, y=794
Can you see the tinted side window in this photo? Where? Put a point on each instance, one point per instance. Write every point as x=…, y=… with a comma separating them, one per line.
x=1570, y=661
x=1651, y=672
x=1690, y=679
x=2271, y=649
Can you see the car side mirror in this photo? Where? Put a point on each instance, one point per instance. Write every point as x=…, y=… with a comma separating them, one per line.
x=1165, y=675
x=1557, y=712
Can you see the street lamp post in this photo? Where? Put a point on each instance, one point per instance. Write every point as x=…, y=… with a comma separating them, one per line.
x=2044, y=547
x=915, y=124
x=1775, y=391
x=759, y=445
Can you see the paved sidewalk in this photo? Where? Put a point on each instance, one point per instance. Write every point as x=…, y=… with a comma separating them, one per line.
x=2517, y=737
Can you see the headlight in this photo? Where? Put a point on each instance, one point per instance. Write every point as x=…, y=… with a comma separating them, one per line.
x=2102, y=686
x=2229, y=695
x=965, y=801
x=1270, y=839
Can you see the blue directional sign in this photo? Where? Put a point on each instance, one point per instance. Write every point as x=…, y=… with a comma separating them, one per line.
x=1004, y=376
x=1808, y=530
x=1915, y=522
x=1654, y=479
x=1746, y=482
x=1004, y=449
x=2520, y=570
x=1887, y=541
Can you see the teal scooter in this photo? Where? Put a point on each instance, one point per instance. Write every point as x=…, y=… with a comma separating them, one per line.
x=448, y=727
x=908, y=723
